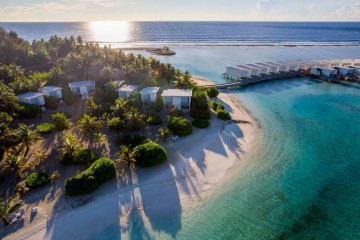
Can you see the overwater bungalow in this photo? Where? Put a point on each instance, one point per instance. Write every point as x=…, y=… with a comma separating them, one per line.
x=345, y=71
x=82, y=88
x=272, y=68
x=237, y=73
x=177, y=98
x=328, y=72
x=254, y=72
x=282, y=67
x=356, y=70
x=263, y=70
x=291, y=66
x=33, y=98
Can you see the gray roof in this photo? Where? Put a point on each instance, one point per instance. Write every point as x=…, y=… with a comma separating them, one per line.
x=30, y=95
x=128, y=88
x=82, y=83
x=176, y=93
x=149, y=90
x=49, y=89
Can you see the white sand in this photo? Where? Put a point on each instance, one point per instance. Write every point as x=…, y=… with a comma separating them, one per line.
x=196, y=165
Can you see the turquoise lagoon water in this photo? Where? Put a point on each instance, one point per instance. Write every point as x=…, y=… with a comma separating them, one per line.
x=304, y=183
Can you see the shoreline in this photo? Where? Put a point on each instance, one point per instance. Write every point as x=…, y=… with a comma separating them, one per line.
x=192, y=173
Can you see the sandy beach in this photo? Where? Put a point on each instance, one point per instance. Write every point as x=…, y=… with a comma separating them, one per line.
x=196, y=166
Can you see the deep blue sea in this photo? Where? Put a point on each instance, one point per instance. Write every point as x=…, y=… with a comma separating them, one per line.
x=196, y=33
x=304, y=182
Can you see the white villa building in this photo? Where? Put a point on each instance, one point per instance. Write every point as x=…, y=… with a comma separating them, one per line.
x=178, y=98
x=34, y=98
x=126, y=91
x=82, y=88
x=149, y=94
x=272, y=69
x=282, y=67
x=356, y=70
x=253, y=71
x=329, y=72
x=237, y=73
x=52, y=91
x=263, y=70
x=291, y=65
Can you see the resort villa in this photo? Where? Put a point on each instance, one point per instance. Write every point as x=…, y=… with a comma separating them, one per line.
x=253, y=71
x=291, y=66
x=177, y=98
x=82, y=88
x=237, y=73
x=263, y=70
x=282, y=67
x=34, y=98
x=52, y=91
x=272, y=69
x=126, y=91
x=149, y=94
x=345, y=71
x=328, y=72
x=356, y=70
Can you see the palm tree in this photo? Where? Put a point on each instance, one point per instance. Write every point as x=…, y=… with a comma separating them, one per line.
x=70, y=145
x=126, y=156
x=40, y=157
x=119, y=107
x=88, y=125
x=99, y=138
x=8, y=100
x=164, y=133
x=27, y=137
x=134, y=119
x=14, y=162
x=8, y=207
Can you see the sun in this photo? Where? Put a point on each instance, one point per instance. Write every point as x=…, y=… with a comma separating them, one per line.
x=110, y=31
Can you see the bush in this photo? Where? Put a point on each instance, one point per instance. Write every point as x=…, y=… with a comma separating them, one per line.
x=87, y=181
x=68, y=96
x=212, y=92
x=154, y=120
x=215, y=106
x=45, y=127
x=80, y=156
x=28, y=110
x=223, y=115
x=133, y=140
x=199, y=107
x=67, y=114
x=150, y=154
x=35, y=180
x=201, y=123
x=176, y=113
x=116, y=124
x=180, y=126
x=60, y=120
x=51, y=102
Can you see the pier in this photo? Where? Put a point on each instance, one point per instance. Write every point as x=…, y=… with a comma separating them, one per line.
x=325, y=70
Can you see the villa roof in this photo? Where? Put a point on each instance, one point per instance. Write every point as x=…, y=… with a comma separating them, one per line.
x=238, y=69
x=82, y=83
x=30, y=95
x=176, y=93
x=49, y=89
x=149, y=90
x=247, y=68
x=330, y=69
x=128, y=88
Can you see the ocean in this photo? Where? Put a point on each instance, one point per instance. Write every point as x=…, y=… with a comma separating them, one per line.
x=130, y=34
x=304, y=182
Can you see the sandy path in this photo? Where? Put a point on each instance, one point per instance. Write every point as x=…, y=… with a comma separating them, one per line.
x=196, y=165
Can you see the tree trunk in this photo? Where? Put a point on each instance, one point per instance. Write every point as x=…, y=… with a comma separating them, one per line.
x=5, y=220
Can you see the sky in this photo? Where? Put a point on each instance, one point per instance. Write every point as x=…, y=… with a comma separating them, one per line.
x=178, y=10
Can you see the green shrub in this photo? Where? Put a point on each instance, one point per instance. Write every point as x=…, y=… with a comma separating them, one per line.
x=67, y=114
x=116, y=124
x=199, y=107
x=223, y=115
x=215, y=106
x=133, y=140
x=45, y=127
x=68, y=96
x=180, y=126
x=212, y=92
x=61, y=122
x=80, y=156
x=150, y=154
x=51, y=102
x=154, y=120
x=200, y=123
x=87, y=181
x=28, y=110
x=35, y=180
x=176, y=113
